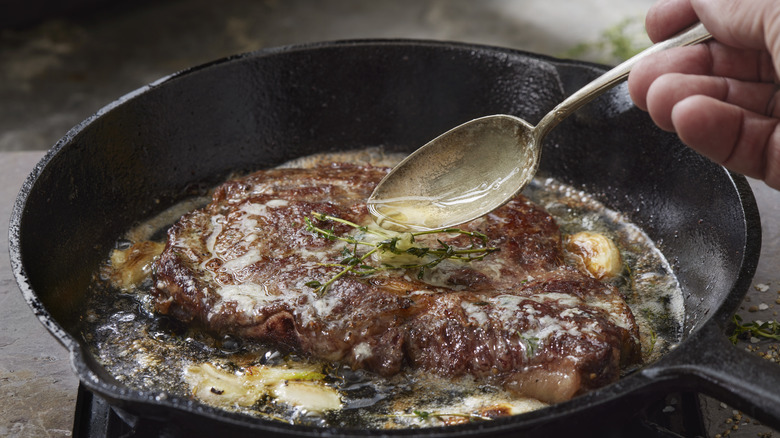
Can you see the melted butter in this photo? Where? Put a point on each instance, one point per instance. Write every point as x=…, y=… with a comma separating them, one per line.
x=246, y=296
x=402, y=214
x=426, y=213
x=242, y=262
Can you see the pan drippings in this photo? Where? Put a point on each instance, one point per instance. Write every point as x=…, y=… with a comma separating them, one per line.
x=156, y=354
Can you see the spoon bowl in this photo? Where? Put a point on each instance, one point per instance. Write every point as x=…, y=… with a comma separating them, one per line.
x=478, y=166
x=457, y=174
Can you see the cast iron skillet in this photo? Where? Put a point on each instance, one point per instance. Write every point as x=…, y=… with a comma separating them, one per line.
x=188, y=131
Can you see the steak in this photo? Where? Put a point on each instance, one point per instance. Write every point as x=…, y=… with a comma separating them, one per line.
x=519, y=318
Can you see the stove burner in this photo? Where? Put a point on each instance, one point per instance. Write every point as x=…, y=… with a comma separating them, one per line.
x=95, y=418
x=677, y=415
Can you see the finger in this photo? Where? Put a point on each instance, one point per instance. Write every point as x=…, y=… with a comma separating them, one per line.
x=743, y=141
x=687, y=60
x=713, y=59
x=668, y=17
x=671, y=88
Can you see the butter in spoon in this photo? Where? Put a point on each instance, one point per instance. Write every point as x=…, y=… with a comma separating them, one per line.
x=478, y=166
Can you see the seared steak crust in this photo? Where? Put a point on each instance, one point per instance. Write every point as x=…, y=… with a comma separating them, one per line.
x=518, y=318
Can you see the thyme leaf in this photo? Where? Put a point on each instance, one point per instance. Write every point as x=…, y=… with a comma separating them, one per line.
x=531, y=344
x=769, y=330
x=355, y=262
x=425, y=415
x=653, y=340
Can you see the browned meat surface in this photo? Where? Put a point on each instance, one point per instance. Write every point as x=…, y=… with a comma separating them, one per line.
x=518, y=318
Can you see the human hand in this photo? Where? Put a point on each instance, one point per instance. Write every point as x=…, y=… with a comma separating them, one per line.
x=720, y=97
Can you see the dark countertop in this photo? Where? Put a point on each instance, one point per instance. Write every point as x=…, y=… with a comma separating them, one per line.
x=57, y=73
x=37, y=383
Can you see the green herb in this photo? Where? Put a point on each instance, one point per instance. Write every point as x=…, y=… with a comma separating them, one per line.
x=355, y=262
x=653, y=340
x=615, y=44
x=425, y=416
x=531, y=344
x=422, y=415
x=769, y=330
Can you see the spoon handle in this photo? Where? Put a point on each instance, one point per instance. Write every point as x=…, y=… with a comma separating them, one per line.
x=693, y=35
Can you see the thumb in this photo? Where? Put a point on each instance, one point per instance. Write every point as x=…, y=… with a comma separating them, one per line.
x=745, y=24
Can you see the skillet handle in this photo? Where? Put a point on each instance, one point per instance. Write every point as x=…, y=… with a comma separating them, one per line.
x=714, y=366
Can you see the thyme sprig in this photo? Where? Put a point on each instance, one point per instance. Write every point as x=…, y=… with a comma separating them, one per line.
x=425, y=415
x=398, y=244
x=769, y=329
x=531, y=344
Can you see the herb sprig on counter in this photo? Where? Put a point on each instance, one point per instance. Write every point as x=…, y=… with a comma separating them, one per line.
x=358, y=263
x=768, y=330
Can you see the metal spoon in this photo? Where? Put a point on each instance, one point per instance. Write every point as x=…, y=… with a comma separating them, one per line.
x=478, y=166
